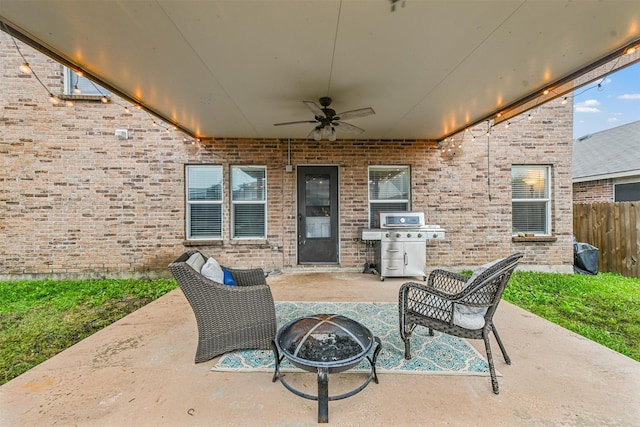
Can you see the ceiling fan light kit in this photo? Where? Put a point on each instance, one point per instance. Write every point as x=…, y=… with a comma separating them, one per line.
x=326, y=119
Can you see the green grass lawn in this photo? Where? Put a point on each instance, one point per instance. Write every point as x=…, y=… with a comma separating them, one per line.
x=604, y=308
x=38, y=319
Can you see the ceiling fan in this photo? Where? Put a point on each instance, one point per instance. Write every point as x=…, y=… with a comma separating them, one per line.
x=327, y=121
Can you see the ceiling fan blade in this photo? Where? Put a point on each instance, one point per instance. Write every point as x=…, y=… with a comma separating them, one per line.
x=295, y=123
x=347, y=127
x=314, y=108
x=310, y=136
x=352, y=114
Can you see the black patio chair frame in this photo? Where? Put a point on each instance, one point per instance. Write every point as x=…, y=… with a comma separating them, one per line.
x=432, y=305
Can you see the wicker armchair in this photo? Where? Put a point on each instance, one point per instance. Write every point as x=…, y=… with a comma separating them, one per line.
x=458, y=305
x=228, y=317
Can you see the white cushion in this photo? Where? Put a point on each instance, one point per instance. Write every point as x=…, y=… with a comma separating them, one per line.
x=472, y=317
x=212, y=270
x=469, y=317
x=196, y=261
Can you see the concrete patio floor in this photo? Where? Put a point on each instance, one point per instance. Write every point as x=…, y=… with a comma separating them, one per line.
x=140, y=371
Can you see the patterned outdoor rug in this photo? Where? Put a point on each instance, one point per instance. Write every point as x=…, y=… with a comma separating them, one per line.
x=441, y=354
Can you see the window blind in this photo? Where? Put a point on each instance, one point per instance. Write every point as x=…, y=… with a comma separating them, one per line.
x=248, y=199
x=204, y=202
x=530, y=193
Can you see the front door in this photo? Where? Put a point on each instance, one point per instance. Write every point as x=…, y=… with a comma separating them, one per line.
x=318, y=215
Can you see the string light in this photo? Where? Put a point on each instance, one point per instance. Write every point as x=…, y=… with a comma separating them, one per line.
x=25, y=68
x=76, y=89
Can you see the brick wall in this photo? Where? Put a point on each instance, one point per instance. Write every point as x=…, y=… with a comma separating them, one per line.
x=77, y=201
x=593, y=191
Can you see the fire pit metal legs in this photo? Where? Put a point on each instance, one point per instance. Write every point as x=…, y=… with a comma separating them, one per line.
x=323, y=397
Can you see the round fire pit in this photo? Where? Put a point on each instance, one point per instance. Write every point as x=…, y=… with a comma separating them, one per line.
x=324, y=343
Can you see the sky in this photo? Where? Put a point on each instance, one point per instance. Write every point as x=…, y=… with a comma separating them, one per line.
x=615, y=103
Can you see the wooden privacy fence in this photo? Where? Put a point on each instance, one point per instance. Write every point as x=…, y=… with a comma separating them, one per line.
x=613, y=228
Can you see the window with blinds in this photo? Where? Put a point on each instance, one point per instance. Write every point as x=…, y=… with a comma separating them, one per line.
x=204, y=202
x=249, y=202
x=388, y=191
x=75, y=84
x=531, y=199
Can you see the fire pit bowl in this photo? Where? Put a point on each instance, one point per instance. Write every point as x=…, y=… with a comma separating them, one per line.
x=324, y=340
x=324, y=343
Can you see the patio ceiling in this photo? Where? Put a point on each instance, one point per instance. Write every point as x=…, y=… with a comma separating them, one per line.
x=222, y=69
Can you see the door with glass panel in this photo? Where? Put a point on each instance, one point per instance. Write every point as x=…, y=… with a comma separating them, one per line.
x=318, y=215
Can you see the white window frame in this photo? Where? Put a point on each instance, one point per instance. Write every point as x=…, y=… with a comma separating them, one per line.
x=90, y=90
x=235, y=203
x=532, y=172
x=189, y=203
x=379, y=202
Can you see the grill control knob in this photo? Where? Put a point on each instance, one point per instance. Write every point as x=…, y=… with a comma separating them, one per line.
x=419, y=235
x=408, y=235
x=386, y=235
x=397, y=234
x=435, y=235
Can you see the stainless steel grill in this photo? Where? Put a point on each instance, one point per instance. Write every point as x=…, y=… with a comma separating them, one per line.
x=402, y=250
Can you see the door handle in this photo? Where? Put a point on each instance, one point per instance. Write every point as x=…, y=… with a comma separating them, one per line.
x=406, y=261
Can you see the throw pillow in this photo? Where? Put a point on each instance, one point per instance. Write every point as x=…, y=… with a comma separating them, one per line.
x=196, y=261
x=228, y=278
x=467, y=316
x=212, y=271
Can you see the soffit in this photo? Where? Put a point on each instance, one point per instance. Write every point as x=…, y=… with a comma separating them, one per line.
x=231, y=69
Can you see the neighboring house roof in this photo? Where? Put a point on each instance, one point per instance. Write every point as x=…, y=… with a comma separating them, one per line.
x=612, y=153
